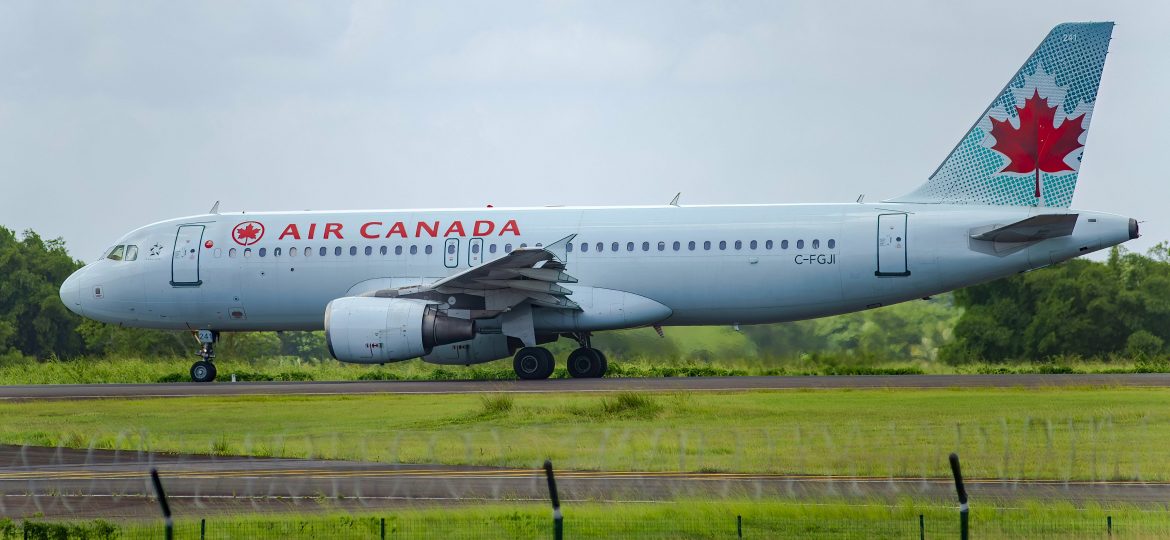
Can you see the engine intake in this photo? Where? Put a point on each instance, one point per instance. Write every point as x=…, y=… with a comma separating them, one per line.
x=370, y=330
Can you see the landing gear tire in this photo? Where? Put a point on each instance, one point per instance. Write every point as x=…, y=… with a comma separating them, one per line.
x=203, y=371
x=587, y=363
x=533, y=363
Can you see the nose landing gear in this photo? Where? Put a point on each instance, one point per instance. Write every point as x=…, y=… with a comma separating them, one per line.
x=204, y=370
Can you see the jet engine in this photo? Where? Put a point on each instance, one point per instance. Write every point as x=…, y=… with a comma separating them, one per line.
x=370, y=330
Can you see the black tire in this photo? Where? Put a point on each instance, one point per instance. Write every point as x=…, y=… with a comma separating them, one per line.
x=202, y=371
x=604, y=363
x=586, y=363
x=533, y=363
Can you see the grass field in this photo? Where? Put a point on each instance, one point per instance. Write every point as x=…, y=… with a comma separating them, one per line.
x=680, y=519
x=19, y=370
x=1085, y=433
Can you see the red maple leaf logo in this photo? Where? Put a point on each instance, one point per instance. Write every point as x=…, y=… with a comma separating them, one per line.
x=1037, y=145
x=248, y=233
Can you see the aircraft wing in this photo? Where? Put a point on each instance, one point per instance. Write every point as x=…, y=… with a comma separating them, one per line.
x=531, y=274
x=1032, y=229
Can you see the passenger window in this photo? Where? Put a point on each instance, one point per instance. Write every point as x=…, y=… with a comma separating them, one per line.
x=382, y=250
x=292, y=252
x=645, y=246
x=800, y=244
x=629, y=246
x=429, y=249
x=414, y=250
x=324, y=251
x=738, y=245
x=352, y=251
x=722, y=245
x=832, y=243
x=569, y=247
x=706, y=245
x=263, y=251
x=232, y=253
x=247, y=252
x=691, y=245
x=369, y=250
x=661, y=246
x=131, y=252
x=450, y=249
x=116, y=253
x=507, y=248
x=754, y=244
x=676, y=245
x=816, y=243
x=308, y=252
x=768, y=244
x=584, y=247
x=614, y=246
x=398, y=250
x=475, y=248
x=784, y=244
x=217, y=253
x=523, y=245
x=276, y=252
x=600, y=247
x=337, y=251
x=492, y=248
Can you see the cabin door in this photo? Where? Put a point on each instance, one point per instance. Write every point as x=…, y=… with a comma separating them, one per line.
x=891, y=246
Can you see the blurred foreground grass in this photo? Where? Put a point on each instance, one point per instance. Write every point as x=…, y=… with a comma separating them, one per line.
x=696, y=519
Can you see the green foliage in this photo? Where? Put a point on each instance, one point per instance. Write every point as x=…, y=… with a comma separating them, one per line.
x=32, y=318
x=1080, y=307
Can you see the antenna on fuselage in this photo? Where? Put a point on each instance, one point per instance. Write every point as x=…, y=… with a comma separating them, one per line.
x=214, y=208
x=674, y=201
x=861, y=198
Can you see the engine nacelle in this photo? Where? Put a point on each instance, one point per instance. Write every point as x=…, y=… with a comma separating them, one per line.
x=371, y=330
x=484, y=348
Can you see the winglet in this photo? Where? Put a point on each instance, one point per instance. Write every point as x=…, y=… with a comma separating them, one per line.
x=559, y=248
x=214, y=208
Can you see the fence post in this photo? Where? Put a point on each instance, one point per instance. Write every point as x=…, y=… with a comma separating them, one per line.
x=963, y=508
x=162, y=501
x=921, y=527
x=739, y=526
x=1109, y=526
x=202, y=528
x=558, y=519
x=383, y=528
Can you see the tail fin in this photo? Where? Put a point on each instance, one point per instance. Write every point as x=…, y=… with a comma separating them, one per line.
x=1026, y=148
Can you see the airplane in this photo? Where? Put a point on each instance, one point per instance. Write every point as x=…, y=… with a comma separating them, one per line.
x=466, y=286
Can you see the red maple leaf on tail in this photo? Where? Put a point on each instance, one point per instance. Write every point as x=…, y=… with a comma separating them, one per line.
x=1037, y=145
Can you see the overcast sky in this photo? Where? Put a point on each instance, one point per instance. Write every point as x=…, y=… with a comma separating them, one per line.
x=115, y=115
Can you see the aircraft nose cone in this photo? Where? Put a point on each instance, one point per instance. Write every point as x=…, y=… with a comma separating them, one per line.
x=71, y=293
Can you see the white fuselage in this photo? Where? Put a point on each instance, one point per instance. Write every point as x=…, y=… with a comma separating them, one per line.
x=707, y=265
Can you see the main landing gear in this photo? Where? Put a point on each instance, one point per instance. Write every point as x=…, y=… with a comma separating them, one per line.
x=204, y=370
x=538, y=363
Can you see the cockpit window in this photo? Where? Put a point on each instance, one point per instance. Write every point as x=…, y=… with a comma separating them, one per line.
x=116, y=253
x=131, y=253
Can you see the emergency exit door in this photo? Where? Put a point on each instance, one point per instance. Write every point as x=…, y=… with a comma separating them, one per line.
x=185, y=259
x=451, y=253
x=475, y=252
x=891, y=246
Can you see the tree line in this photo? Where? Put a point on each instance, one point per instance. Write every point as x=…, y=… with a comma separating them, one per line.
x=1080, y=308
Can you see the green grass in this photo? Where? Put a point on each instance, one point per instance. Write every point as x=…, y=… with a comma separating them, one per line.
x=692, y=519
x=16, y=370
x=1064, y=433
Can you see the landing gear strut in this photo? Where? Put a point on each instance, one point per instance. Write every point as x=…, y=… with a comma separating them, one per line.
x=204, y=370
x=586, y=362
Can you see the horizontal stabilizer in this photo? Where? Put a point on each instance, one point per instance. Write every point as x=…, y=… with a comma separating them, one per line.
x=1031, y=229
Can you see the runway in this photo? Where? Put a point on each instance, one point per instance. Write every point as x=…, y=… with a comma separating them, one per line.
x=57, y=482
x=662, y=384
